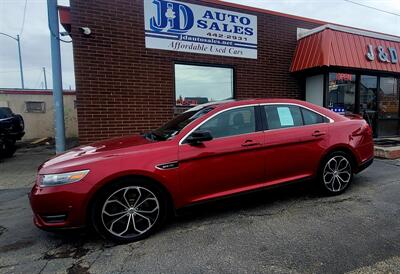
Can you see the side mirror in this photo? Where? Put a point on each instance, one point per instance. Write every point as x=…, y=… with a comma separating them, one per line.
x=198, y=137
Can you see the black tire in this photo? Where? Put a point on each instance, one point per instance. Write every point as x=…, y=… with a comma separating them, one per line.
x=103, y=223
x=336, y=173
x=8, y=149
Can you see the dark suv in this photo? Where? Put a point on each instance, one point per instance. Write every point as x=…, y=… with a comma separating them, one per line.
x=11, y=129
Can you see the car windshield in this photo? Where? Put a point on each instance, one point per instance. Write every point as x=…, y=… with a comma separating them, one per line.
x=173, y=127
x=5, y=113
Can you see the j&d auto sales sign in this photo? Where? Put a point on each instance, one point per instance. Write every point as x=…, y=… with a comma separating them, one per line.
x=178, y=26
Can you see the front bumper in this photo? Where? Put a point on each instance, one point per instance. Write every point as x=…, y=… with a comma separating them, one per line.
x=58, y=207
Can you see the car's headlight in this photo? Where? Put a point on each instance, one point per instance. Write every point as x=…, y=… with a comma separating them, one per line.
x=62, y=178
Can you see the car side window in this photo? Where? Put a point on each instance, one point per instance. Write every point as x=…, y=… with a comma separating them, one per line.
x=312, y=118
x=282, y=116
x=232, y=122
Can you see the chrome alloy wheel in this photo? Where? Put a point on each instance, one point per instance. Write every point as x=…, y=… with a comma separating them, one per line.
x=337, y=173
x=130, y=211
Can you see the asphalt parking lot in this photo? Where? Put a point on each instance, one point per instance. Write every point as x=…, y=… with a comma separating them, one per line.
x=285, y=230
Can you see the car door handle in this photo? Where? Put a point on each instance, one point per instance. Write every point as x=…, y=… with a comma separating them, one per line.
x=318, y=133
x=250, y=143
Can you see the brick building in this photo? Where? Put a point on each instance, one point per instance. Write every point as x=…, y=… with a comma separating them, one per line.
x=147, y=60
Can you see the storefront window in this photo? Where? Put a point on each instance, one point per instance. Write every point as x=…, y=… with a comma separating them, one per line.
x=389, y=98
x=389, y=106
x=196, y=85
x=368, y=103
x=342, y=90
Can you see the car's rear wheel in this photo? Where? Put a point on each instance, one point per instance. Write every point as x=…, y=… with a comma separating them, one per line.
x=129, y=211
x=336, y=173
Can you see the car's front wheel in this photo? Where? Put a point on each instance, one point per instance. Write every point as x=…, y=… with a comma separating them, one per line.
x=129, y=211
x=336, y=173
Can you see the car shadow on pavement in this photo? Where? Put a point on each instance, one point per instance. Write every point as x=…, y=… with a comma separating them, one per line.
x=264, y=199
x=269, y=201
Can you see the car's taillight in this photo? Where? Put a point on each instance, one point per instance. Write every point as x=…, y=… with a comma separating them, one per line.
x=369, y=130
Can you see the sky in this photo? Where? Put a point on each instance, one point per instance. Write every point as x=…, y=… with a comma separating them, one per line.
x=35, y=39
x=35, y=45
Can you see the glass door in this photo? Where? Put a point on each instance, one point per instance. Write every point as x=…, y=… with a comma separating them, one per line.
x=341, y=93
x=368, y=100
x=389, y=118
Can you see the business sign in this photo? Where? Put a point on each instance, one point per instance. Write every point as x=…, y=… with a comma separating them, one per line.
x=384, y=55
x=345, y=77
x=177, y=26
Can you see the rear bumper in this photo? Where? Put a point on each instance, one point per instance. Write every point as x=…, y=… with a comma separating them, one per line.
x=19, y=135
x=13, y=135
x=365, y=165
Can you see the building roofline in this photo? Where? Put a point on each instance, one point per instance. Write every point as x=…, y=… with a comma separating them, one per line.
x=305, y=33
x=66, y=21
x=33, y=91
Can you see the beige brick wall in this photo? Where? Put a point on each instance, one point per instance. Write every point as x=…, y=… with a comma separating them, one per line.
x=39, y=125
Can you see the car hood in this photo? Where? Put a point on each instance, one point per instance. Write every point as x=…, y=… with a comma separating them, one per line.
x=91, y=153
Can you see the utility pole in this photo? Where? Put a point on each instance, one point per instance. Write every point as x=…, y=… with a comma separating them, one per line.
x=21, y=71
x=45, y=78
x=52, y=10
x=20, y=62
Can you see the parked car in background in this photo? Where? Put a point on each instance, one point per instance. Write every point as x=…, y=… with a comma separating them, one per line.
x=11, y=130
x=125, y=187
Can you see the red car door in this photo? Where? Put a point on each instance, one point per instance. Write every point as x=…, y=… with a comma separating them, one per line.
x=294, y=142
x=230, y=163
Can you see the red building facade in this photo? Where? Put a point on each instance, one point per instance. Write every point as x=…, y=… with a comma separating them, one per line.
x=128, y=83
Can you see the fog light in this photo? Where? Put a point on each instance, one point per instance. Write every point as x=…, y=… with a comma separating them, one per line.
x=54, y=218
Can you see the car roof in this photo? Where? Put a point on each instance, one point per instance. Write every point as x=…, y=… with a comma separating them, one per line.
x=233, y=102
x=243, y=102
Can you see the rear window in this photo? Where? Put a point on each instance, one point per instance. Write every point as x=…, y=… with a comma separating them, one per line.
x=5, y=113
x=312, y=118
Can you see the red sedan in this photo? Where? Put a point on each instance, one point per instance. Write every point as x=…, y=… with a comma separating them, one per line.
x=126, y=187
